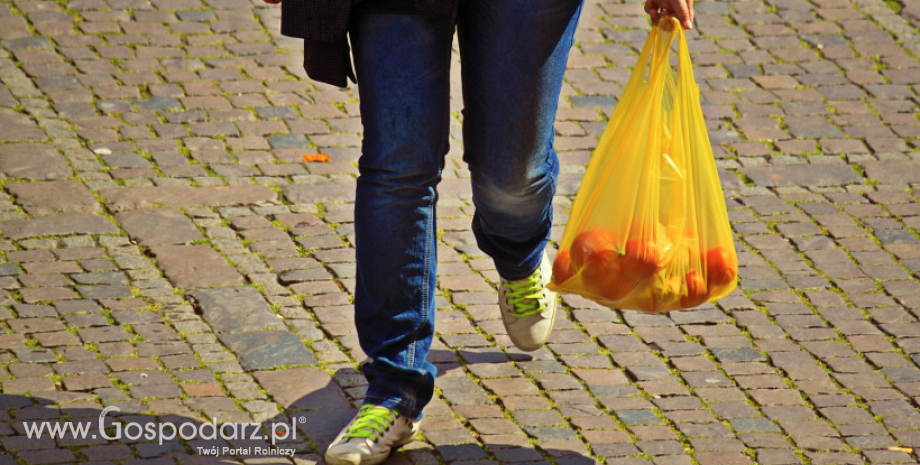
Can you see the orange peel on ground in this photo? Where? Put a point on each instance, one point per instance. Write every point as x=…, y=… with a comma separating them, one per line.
x=320, y=157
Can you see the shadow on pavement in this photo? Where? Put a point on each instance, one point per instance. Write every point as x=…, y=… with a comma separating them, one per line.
x=70, y=427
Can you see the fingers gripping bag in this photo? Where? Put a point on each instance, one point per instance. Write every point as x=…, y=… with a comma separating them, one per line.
x=649, y=229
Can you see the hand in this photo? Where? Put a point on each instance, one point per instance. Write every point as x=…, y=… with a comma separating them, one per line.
x=680, y=9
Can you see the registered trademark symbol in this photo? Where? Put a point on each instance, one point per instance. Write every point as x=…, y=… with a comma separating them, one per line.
x=302, y=420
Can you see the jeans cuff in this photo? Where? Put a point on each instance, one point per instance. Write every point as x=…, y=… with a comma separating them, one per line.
x=517, y=276
x=401, y=406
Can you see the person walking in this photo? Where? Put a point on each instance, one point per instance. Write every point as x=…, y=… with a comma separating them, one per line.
x=513, y=55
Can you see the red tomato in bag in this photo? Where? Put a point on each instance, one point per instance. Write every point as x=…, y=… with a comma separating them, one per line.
x=697, y=292
x=602, y=274
x=642, y=258
x=590, y=242
x=562, y=267
x=721, y=267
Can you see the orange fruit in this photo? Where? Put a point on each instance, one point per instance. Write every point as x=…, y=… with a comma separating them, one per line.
x=721, y=267
x=602, y=274
x=696, y=293
x=642, y=258
x=562, y=267
x=590, y=242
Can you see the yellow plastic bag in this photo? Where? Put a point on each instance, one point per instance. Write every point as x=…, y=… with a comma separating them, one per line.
x=649, y=228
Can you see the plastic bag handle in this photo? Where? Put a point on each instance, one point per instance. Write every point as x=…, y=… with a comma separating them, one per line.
x=647, y=55
x=683, y=59
x=638, y=74
x=638, y=80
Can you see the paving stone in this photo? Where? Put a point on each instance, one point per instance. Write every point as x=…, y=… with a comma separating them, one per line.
x=58, y=225
x=87, y=382
x=277, y=112
x=159, y=226
x=114, y=277
x=303, y=389
x=34, y=355
x=235, y=310
x=738, y=355
x=753, y=425
x=104, y=292
x=287, y=141
x=638, y=417
x=77, y=306
x=18, y=127
x=32, y=161
x=126, y=160
x=104, y=334
x=821, y=175
x=121, y=199
x=50, y=197
x=9, y=269
x=893, y=171
x=36, y=325
x=319, y=191
x=605, y=103
x=158, y=103
x=195, y=266
x=544, y=433
x=178, y=137
x=268, y=349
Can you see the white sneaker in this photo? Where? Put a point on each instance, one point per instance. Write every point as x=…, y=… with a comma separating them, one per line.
x=528, y=307
x=369, y=437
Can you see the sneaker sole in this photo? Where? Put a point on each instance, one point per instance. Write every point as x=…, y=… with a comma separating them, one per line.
x=375, y=460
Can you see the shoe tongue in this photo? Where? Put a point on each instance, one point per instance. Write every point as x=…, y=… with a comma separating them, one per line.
x=529, y=302
x=387, y=412
x=367, y=425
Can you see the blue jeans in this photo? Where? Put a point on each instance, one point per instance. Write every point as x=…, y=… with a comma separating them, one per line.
x=513, y=55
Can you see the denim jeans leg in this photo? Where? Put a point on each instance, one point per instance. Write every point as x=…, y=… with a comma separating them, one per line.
x=402, y=63
x=513, y=55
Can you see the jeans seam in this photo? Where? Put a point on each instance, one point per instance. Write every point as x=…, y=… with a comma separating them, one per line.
x=426, y=296
x=442, y=148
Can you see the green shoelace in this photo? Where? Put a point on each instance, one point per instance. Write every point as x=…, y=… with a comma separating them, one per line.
x=371, y=423
x=524, y=295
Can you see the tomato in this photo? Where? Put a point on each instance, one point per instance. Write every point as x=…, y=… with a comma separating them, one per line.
x=602, y=274
x=590, y=242
x=696, y=293
x=721, y=267
x=642, y=259
x=562, y=267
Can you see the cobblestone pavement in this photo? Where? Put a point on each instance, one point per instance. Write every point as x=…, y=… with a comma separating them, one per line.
x=165, y=251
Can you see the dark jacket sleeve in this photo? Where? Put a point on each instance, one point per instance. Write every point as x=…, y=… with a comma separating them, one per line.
x=328, y=62
x=319, y=20
x=323, y=24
